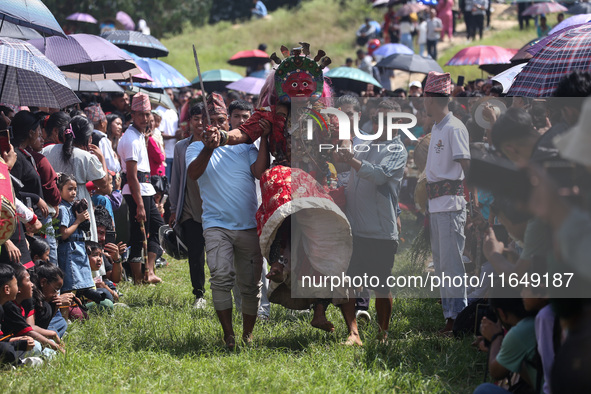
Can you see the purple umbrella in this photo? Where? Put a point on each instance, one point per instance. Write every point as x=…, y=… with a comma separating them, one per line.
x=81, y=17
x=125, y=20
x=538, y=46
x=88, y=57
x=392, y=49
x=572, y=21
x=248, y=85
x=30, y=13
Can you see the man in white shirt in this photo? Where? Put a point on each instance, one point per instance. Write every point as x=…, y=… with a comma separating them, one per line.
x=434, y=27
x=169, y=127
x=448, y=161
x=138, y=191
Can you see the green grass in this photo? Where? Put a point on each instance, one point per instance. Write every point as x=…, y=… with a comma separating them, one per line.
x=509, y=38
x=322, y=23
x=160, y=344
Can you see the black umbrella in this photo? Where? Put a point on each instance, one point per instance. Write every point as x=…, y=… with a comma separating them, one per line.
x=411, y=63
x=143, y=45
x=522, y=54
x=495, y=68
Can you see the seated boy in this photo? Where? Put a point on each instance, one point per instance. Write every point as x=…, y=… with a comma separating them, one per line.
x=95, y=257
x=14, y=321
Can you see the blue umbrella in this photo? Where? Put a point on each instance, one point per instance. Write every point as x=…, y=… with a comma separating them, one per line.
x=27, y=77
x=349, y=78
x=393, y=49
x=164, y=75
x=30, y=13
x=217, y=79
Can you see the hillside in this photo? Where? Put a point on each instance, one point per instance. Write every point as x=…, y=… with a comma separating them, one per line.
x=323, y=23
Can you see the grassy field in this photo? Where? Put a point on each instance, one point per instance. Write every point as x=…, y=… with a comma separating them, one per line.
x=323, y=23
x=160, y=344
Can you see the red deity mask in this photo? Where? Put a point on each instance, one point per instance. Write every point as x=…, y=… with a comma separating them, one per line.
x=299, y=84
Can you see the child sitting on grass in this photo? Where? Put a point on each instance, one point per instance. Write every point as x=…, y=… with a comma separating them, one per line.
x=10, y=345
x=95, y=256
x=15, y=318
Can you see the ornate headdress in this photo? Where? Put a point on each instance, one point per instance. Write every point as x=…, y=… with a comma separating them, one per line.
x=297, y=68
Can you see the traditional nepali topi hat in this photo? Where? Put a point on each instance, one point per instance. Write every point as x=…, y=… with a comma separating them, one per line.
x=438, y=83
x=216, y=105
x=141, y=103
x=95, y=113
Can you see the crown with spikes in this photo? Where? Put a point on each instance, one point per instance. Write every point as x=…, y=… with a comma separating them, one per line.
x=298, y=61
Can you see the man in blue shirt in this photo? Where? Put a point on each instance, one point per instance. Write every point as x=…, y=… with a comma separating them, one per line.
x=259, y=10
x=226, y=175
x=372, y=201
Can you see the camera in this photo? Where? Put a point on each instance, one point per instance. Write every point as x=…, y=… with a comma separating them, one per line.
x=92, y=295
x=79, y=207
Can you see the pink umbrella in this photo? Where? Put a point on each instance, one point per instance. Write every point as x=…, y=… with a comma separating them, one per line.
x=408, y=9
x=81, y=17
x=249, y=85
x=544, y=8
x=481, y=54
x=125, y=20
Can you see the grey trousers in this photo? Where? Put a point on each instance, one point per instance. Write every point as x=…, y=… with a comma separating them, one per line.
x=234, y=256
x=447, y=245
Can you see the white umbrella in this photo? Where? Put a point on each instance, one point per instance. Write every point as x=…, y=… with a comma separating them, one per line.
x=507, y=77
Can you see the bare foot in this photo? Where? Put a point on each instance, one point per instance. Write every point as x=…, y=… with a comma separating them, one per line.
x=275, y=273
x=230, y=342
x=152, y=279
x=448, y=329
x=353, y=340
x=322, y=323
x=247, y=339
x=382, y=337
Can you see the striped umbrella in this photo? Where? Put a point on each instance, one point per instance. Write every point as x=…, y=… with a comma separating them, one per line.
x=30, y=13
x=568, y=51
x=27, y=77
x=481, y=54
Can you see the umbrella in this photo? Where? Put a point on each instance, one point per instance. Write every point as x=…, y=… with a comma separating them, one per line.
x=507, y=77
x=410, y=8
x=104, y=86
x=480, y=54
x=380, y=3
x=27, y=77
x=125, y=20
x=411, y=63
x=143, y=45
x=567, y=52
x=248, y=85
x=428, y=2
x=349, y=78
x=580, y=8
x=572, y=21
x=163, y=75
x=155, y=97
x=392, y=49
x=543, y=41
x=217, y=79
x=11, y=30
x=498, y=68
x=81, y=17
x=250, y=58
x=544, y=8
x=30, y=13
x=522, y=54
x=86, y=56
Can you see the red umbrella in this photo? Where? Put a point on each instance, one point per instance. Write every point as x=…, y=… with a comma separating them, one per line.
x=249, y=58
x=481, y=54
x=567, y=52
